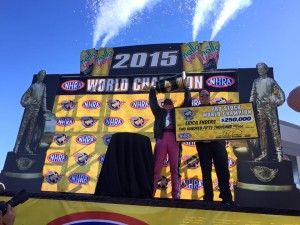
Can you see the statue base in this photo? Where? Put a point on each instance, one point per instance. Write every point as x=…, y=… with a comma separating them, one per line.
x=266, y=185
x=23, y=171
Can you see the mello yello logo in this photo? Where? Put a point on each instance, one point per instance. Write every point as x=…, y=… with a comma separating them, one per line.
x=104, y=58
x=210, y=49
x=192, y=53
x=89, y=59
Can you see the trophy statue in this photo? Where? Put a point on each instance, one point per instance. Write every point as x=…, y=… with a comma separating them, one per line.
x=266, y=174
x=267, y=95
x=169, y=84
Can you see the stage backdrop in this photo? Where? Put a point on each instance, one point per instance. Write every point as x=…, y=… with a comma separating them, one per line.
x=90, y=109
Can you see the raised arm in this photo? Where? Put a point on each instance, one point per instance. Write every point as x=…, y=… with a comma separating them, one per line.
x=153, y=100
x=187, y=98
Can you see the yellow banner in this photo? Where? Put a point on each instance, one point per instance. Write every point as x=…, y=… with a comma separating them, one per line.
x=57, y=212
x=103, y=62
x=87, y=60
x=215, y=122
x=192, y=57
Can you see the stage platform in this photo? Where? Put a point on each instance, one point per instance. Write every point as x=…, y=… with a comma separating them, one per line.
x=65, y=208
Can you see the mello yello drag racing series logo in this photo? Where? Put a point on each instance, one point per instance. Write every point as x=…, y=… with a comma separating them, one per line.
x=68, y=105
x=61, y=139
x=115, y=104
x=88, y=121
x=138, y=122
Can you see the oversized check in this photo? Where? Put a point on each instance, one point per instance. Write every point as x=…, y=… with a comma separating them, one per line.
x=216, y=122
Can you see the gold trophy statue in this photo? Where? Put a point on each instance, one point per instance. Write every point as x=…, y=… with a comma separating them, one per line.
x=33, y=100
x=267, y=96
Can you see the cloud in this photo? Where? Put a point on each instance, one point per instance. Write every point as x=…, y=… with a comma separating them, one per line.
x=202, y=10
x=229, y=11
x=114, y=15
x=221, y=12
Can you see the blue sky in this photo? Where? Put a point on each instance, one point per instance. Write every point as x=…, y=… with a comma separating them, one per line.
x=51, y=34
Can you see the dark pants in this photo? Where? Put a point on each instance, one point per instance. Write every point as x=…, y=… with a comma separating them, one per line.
x=214, y=151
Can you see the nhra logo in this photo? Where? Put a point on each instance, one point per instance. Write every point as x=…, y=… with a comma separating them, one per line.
x=184, y=136
x=196, y=102
x=53, y=177
x=65, y=121
x=82, y=158
x=113, y=121
x=79, y=178
x=220, y=81
x=192, y=162
x=91, y=104
x=57, y=157
x=115, y=104
x=138, y=122
x=189, y=143
x=188, y=114
x=88, y=121
x=192, y=184
x=93, y=217
x=72, y=85
x=61, y=139
x=101, y=158
x=140, y=104
x=106, y=139
x=163, y=183
x=86, y=139
x=68, y=105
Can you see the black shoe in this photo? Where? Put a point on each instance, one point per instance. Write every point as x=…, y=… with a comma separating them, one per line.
x=228, y=203
x=208, y=202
